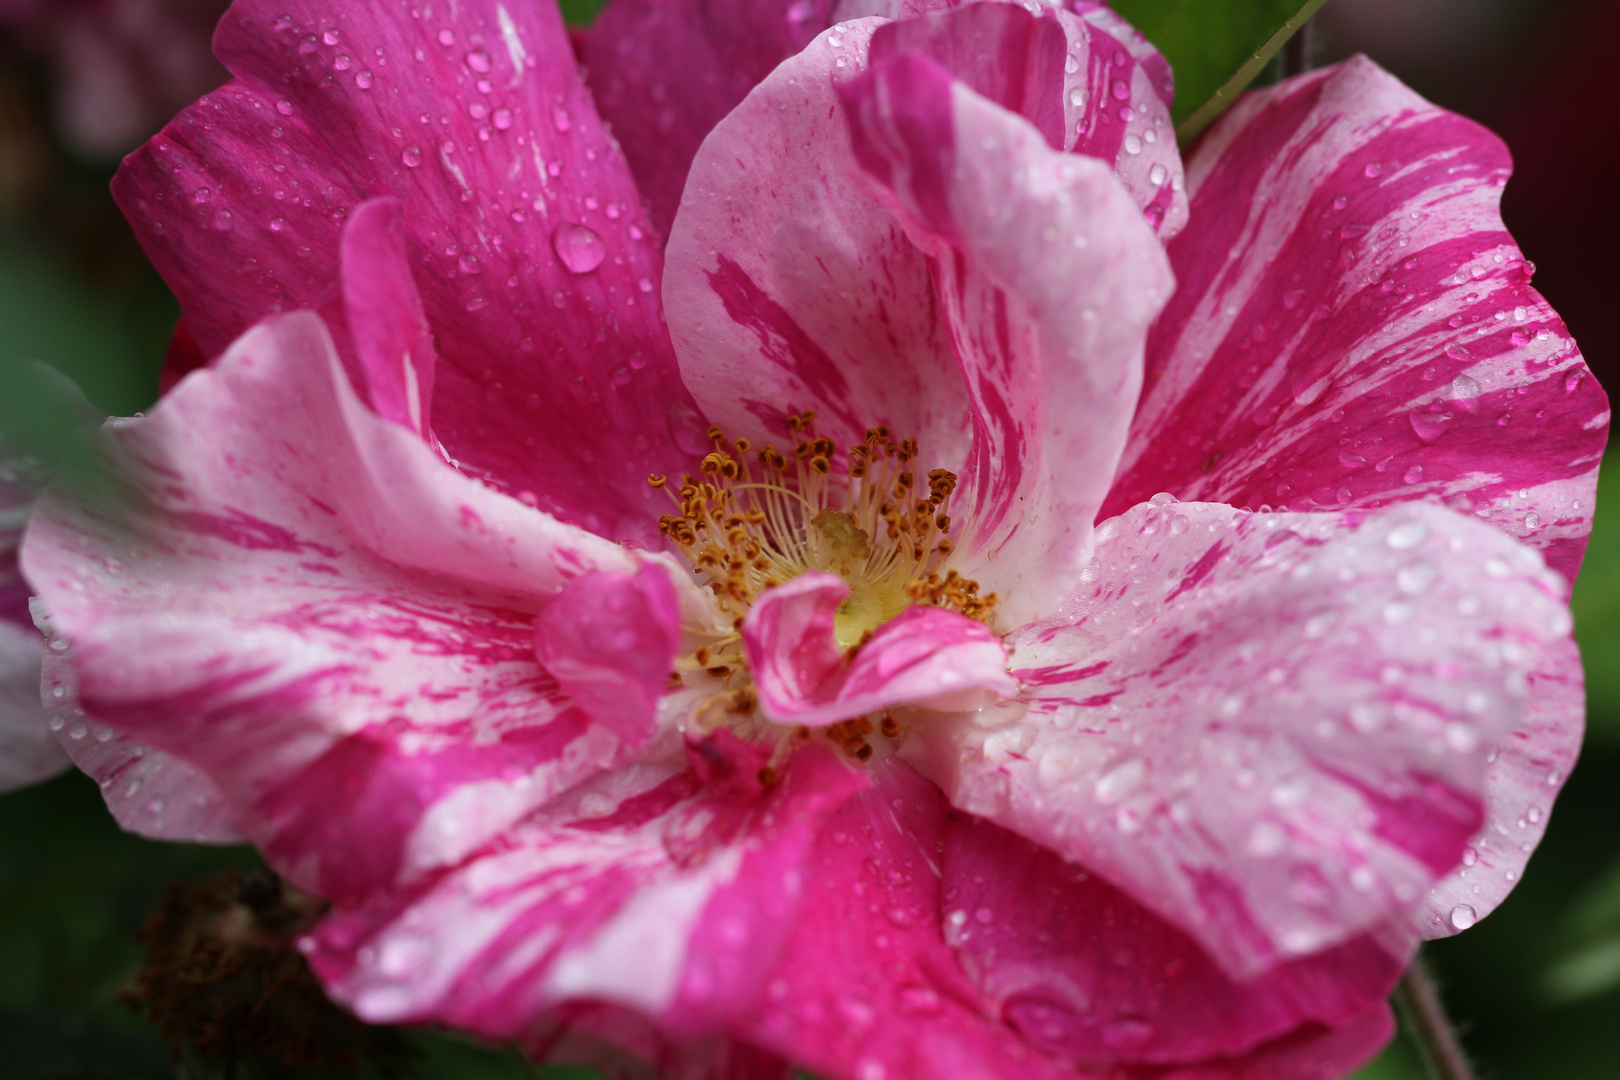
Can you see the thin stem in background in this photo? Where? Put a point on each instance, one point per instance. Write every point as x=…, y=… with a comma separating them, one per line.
x=1424, y=1015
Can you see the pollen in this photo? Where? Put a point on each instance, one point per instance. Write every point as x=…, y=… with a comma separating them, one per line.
x=752, y=518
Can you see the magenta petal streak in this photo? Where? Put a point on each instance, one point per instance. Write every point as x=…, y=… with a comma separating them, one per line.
x=1354, y=327
x=538, y=272
x=366, y=720
x=925, y=657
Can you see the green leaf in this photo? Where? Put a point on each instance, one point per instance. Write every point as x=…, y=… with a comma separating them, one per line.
x=1216, y=47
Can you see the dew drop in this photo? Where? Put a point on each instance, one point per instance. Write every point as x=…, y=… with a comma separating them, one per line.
x=412, y=156
x=502, y=119
x=363, y=80
x=1407, y=535
x=330, y=37
x=1463, y=916
x=343, y=62
x=478, y=60
x=560, y=119
x=1157, y=175
x=578, y=246
x=1413, y=475
x=284, y=107
x=1373, y=170
x=447, y=38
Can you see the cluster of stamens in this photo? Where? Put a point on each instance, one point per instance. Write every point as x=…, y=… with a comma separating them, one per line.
x=754, y=519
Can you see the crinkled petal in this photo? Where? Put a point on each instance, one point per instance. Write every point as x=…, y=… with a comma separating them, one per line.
x=1311, y=1053
x=1526, y=772
x=1273, y=730
x=308, y=604
x=639, y=891
x=925, y=657
x=866, y=986
x=537, y=268
x=1354, y=327
x=1083, y=971
x=1002, y=326
x=609, y=640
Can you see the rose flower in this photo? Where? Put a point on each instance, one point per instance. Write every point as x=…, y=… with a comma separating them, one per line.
x=980, y=601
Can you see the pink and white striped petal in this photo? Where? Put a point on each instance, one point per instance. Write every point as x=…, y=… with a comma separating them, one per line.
x=924, y=657
x=1084, y=972
x=537, y=268
x=1087, y=82
x=1273, y=730
x=992, y=303
x=1525, y=773
x=147, y=791
x=1354, y=327
x=639, y=891
x=303, y=600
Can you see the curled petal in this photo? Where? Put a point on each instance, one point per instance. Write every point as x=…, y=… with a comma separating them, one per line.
x=609, y=640
x=384, y=314
x=925, y=657
x=260, y=610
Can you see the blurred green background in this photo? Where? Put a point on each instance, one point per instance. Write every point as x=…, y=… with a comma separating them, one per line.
x=1535, y=988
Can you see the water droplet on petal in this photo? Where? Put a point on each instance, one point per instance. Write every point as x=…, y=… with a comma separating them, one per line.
x=412, y=156
x=1463, y=916
x=447, y=38
x=363, y=80
x=579, y=247
x=1373, y=171
x=502, y=119
x=478, y=60
x=1407, y=535
x=284, y=107
x=560, y=119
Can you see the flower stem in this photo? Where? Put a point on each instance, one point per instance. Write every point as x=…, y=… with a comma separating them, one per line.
x=1417, y=999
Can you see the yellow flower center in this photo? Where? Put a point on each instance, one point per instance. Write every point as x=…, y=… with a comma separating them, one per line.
x=755, y=519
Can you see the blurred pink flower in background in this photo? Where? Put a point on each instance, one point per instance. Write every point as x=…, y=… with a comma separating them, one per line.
x=120, y=68
x=395, y=602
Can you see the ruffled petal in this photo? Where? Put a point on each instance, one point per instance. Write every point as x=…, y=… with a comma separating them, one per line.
x=1084, y=972
x=639, y=892
x=1363, y=330
x=866, y=986
x=1016, y=297
x=924, y=657
x=307, y=603
x=537, y=269
x=1272, y=730
x=147, y=791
